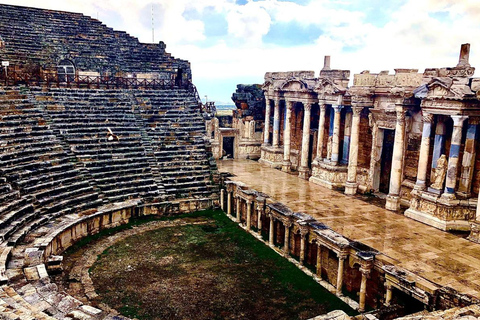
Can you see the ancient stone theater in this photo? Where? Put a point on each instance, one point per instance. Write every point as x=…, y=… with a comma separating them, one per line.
x=98, y=130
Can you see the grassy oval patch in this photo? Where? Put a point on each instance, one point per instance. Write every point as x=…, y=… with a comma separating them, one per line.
x=209, y=271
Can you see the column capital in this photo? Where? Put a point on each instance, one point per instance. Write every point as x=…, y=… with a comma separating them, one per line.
x=303, y=232
x=342, y=255
x=458, y=120
x=356, y=111
x=427, y=117
x=307, y=106
x=337, y=108
x=287, y=224
x=289, y=104
x=248, y=201
x=323, y=107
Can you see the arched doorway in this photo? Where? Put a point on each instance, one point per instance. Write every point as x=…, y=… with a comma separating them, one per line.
x=66, y=71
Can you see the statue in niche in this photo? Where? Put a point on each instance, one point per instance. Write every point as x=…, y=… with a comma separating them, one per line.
x=440, y=172
x=329, y=147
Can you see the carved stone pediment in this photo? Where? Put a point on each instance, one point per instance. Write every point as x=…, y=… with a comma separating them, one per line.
x=328, y=90
x=266, y=85
x=293, y=85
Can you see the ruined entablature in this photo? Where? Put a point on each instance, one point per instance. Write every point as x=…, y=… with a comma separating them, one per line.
x=329, y=91
x=403, y=81
x=448, y=88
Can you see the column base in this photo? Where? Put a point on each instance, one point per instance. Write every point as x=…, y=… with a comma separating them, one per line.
x=287, y=166
x=393, y=203
x=448, y=196
x=419, y=186
x=351, y=188
x=304, y=173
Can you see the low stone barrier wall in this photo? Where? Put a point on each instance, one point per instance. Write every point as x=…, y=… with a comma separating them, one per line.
x=346, y=267
x=67, y=234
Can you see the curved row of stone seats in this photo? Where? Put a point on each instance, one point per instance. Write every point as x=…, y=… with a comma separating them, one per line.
x=32, y=157
x=30, y=28
x=30, y=293
x=102, y=132
x=175, y=131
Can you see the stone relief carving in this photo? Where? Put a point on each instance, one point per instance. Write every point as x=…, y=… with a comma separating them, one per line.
x=440, y=172
x=329, y=147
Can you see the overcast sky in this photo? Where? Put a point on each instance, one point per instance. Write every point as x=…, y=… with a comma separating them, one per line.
x=237, y=41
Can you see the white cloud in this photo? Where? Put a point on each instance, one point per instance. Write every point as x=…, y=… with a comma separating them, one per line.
x=248, y=23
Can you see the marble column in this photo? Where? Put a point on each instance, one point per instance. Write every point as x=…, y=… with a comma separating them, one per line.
x=249, y=214
x=286, y=242
x=336, y=134
x=238, y=213
x=439, y=143
x=341, y=261
x=365, y=270
x=321, y=133
x=351, y=184
x=468, y=159
x=222, y=199
x=303, y=235
x=304, y=170
x=451, y=179
x=276, y=123
x=396, y=175
x=346, y=138
x=270, y=231
x=286, y=164
x=319, y=260
x=266, y=130
x=424, y=152
x=388, y=295
x=229, y=203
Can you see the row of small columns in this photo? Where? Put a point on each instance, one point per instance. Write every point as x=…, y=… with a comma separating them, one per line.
x=365, y=268
x=342, y=255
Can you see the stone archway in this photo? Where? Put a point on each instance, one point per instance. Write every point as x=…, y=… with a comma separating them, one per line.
x=66, y=71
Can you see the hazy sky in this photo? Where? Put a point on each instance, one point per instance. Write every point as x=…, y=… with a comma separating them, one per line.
x=237, y=41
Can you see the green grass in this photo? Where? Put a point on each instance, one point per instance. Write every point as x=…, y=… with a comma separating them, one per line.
x=207, y=271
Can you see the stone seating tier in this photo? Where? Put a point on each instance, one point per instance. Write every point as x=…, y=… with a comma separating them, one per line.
x=56, y=163
x=26, y=31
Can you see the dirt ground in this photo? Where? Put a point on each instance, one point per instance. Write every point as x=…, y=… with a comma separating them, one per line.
x=207, y=270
